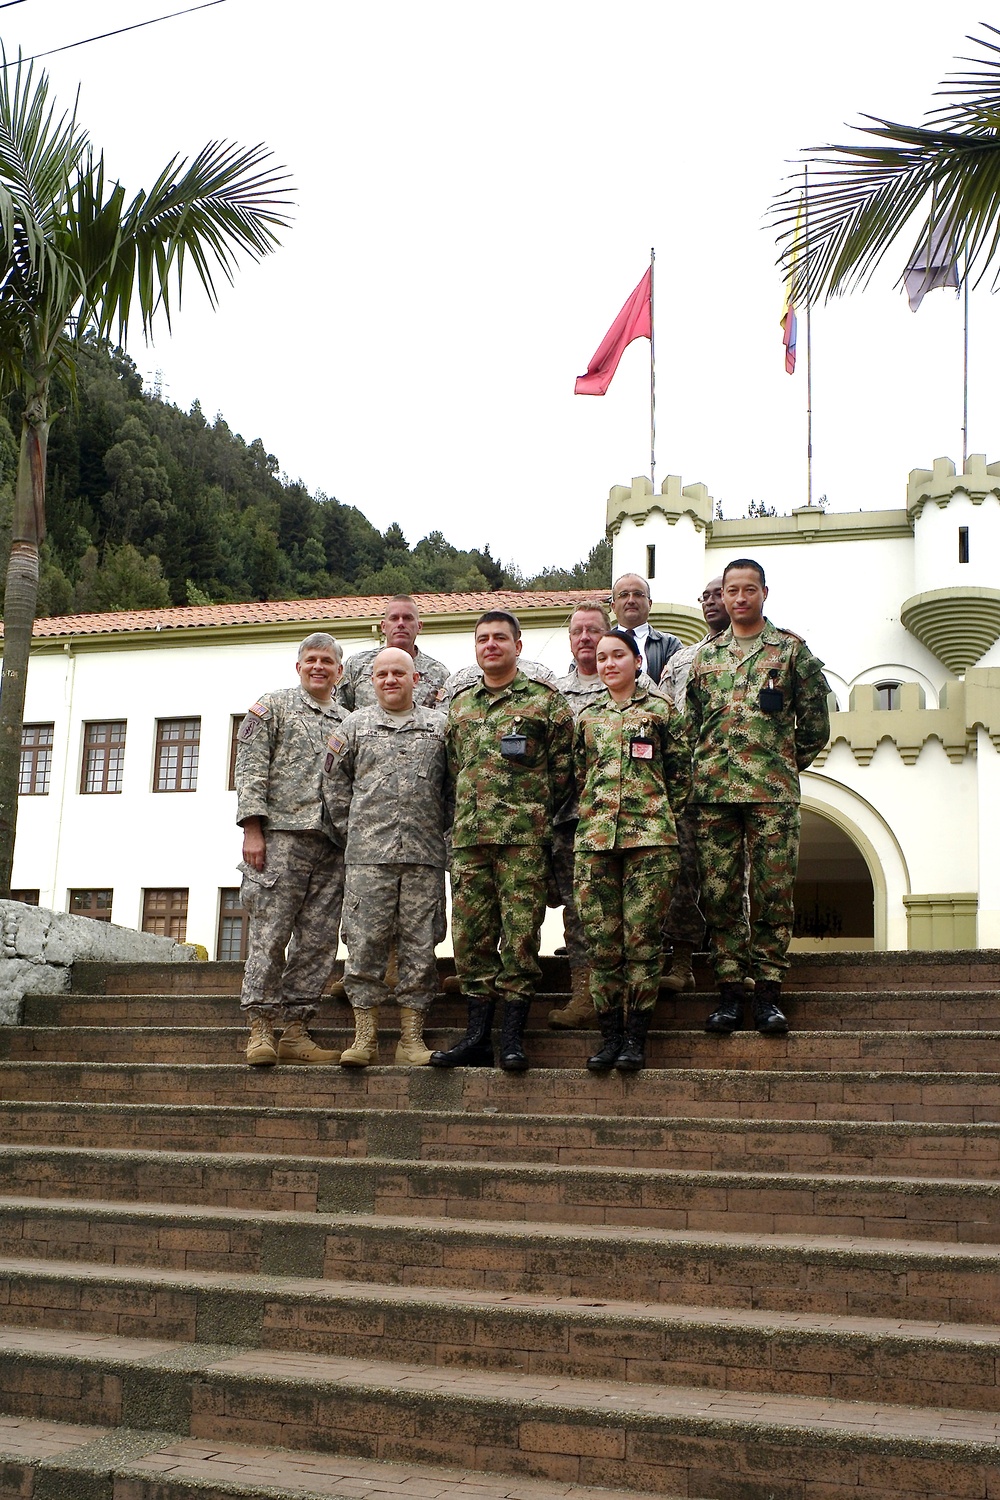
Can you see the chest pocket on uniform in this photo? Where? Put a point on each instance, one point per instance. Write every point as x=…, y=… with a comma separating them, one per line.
x=533, y=732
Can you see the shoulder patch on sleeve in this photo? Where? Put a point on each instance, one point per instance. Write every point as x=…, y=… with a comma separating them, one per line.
x=260, y=709
x=336, y=743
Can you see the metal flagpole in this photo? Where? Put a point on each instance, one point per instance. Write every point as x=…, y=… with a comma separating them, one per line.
x=965, y=367
x=652, y=379
x=809, y=367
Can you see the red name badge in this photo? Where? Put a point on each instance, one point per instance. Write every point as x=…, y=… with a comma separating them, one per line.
x=642, y=749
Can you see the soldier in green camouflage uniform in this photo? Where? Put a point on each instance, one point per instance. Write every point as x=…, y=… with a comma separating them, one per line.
x=509, y=742
x=633, y=775
x=293, y=874
x=757, y=706
x=580, y=686
x=400, y=627
x=384, y=794
x=684, y=929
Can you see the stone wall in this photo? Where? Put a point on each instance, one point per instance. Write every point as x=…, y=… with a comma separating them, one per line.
x=40, y=947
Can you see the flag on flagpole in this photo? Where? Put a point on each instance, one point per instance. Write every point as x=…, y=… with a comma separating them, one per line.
x=934, y=264
x=633, y=322
x=789, y=321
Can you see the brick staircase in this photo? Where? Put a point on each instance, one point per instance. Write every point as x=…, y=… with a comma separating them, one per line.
x=764, y=1267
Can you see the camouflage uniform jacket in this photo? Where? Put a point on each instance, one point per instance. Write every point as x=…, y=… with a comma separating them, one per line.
x=279, y=760
x=627, y=802
x=356, y=690
x=466, y=676
x=383, y=787
x=500, y=801
x=674, y=677
x=741, y=753
x=577, y=691
x=577, y=694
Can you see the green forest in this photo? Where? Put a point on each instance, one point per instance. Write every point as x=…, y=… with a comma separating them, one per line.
x=150, y=506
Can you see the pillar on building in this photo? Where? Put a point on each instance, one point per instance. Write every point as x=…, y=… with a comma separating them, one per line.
x=662, y=537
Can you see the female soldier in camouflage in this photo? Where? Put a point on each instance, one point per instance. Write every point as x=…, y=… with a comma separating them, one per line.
x=633, y=772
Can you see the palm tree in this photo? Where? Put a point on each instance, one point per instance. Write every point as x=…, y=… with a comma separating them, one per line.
x=75, y=260
x=909, y=181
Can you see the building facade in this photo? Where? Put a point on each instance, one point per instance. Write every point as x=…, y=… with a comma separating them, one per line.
x=900, y=812
x=127, y=809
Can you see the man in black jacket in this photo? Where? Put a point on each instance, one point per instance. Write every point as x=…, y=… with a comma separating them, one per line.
x=631, y=602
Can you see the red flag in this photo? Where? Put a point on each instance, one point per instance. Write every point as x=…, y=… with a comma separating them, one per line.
x=633, y=322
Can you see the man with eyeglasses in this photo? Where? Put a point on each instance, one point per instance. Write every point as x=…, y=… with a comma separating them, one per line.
x=631, y=602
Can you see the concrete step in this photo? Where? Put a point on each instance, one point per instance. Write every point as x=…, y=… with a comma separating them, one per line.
x=752, y=1094
x=966, y=1211
x=813, y=1274
x=826, y=1051
x=69, y=1461
x=809, y=1010
x=976, y=968
x=692, y=1144
x=664, y=1439
x=847, y=1358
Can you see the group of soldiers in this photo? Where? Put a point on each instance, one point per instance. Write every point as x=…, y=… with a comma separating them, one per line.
x=652, y=791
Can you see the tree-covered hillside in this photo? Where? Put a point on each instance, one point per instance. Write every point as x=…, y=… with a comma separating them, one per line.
x=149, y=505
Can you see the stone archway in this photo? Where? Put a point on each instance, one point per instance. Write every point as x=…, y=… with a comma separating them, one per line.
x=864, y=827
x=834, y=891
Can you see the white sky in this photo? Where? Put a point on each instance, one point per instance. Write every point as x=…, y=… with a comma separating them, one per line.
x=478, y=187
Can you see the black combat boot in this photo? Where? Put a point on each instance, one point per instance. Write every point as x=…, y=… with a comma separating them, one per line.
x=632, y=1057
x=475, y=1050
x=515, y=1018
x=766, y=1015
x=728, y=1015
x=612, y=1024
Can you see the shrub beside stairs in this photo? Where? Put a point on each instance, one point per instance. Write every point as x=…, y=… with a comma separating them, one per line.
x=763, y=1267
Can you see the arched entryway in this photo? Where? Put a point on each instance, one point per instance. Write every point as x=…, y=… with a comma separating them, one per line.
x=834, y=891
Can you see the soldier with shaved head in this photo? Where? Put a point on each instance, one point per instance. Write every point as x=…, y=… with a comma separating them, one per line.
x=383, y=788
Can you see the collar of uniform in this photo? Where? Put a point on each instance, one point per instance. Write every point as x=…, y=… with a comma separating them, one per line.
x=311, y=702
x=767, y=637
x=518, y=684
x=388, y=723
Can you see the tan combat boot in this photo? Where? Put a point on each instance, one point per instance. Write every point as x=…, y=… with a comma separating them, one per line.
x=364, y=1049
x=580, y=1011
x=410, y=1049
x=260, y=1048
x=680, y=975
x=297, y=1045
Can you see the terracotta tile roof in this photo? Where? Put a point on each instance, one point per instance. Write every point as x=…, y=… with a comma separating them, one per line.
x=309, y=611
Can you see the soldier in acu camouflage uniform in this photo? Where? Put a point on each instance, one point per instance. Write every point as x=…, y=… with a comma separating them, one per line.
x=633, y=770
x=293, y=875
x=684, y=929
x=509, y=743
x=580, y=686
x=384, y=793
x=757, y=705
x=400, y=627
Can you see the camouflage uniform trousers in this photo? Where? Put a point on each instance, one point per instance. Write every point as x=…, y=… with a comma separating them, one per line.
x=294, y=904
x=562, y=869
x=685, y=923
x=498, y=897
x=385, y=904
x=622, y=897
x=755, y=843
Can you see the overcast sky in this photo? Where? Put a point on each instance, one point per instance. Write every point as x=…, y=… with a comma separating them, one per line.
x=478, y=187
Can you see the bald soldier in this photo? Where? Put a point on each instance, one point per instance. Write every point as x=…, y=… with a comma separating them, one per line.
x=383, y=789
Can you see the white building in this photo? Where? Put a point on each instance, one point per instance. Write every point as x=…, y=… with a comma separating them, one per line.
x=126, y=770
x=897, y=850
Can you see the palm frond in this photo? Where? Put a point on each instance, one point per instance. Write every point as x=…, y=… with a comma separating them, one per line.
x=892, y=191
x=222, y=205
